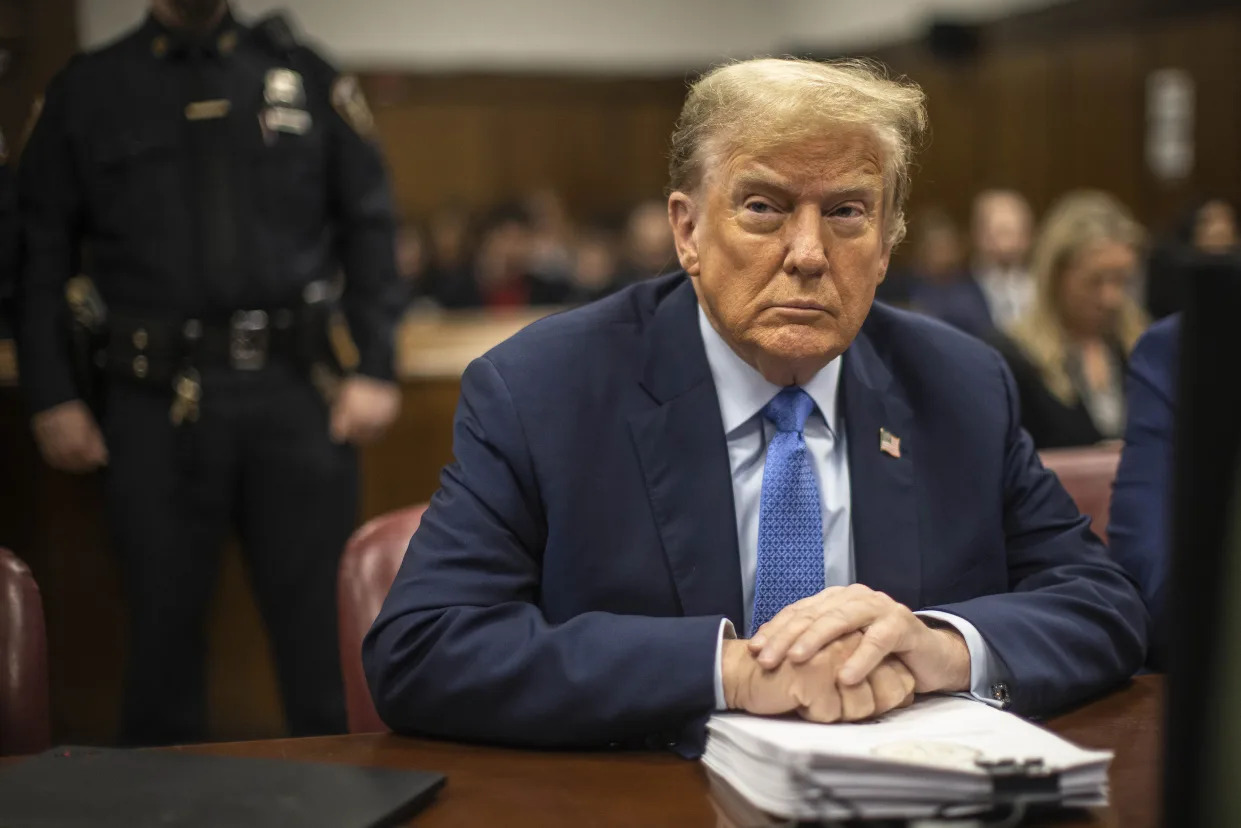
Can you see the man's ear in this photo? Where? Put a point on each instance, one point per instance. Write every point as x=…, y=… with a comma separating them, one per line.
x=683, y=216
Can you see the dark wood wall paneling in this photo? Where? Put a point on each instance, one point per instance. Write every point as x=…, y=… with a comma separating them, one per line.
x=487, y=139
x=1055, y=106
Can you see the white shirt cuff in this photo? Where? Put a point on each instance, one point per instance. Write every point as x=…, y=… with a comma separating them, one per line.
x=986, y=681
x=726, y=631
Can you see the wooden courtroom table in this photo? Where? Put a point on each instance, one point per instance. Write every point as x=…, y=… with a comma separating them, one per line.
x=493, y=786
x=54, y=521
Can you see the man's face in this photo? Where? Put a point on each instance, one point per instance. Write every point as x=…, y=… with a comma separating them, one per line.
x=786, y=249
x=1003, y=230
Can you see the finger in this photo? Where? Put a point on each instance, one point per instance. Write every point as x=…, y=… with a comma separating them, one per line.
x=856, y=702
x=73, y=462
x=892, y=683
x=881, y=639
x=814, y=604
x=780, y=638
x=97, y=450
x=340, y=424
x=825, y=629
x=823, y=707
x=763, y=634
x=829, y=625
x=52, y=454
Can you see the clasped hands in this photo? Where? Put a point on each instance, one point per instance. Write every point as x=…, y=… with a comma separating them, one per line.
x=845, y=654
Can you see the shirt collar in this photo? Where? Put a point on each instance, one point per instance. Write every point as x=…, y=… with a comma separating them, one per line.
x=743, y=391
x=164, y=41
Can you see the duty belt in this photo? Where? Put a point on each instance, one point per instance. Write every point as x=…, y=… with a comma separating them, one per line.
x=147, y=349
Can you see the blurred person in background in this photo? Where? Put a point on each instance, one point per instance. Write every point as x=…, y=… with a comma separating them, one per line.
x=939, y=285
x=449, y=276
x=411, y=259
x=551, y=237
x=649, y=249
x=1001, y=226
x=213, y=179
x=1068, y=352
x=504, y=276
x=1209, y=227
x=595, y=265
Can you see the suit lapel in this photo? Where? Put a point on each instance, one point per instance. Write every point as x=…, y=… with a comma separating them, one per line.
x=684, y=457
x=884, y=503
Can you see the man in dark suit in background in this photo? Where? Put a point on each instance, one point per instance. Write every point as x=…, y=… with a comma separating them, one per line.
x=747, y=448
x=1140, y=521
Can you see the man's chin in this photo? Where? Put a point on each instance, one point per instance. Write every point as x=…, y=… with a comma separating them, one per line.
x=802, y=345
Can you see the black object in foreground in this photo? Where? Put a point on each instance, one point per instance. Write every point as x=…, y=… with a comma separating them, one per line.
x=133, y=789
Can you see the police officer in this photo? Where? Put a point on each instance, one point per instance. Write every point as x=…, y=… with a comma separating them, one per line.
x=213, y=180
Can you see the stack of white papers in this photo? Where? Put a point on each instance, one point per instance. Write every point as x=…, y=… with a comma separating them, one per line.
x=938, y=757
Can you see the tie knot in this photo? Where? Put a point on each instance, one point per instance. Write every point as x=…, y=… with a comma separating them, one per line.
x=789, y=409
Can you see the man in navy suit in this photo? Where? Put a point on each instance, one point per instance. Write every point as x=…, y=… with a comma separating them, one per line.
x=730, y=487
x=1140, y=522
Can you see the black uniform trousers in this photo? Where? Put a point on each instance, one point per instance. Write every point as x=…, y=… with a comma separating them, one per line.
x=258, y=460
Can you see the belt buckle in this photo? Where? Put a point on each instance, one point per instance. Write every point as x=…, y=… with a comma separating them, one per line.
x=247, y=341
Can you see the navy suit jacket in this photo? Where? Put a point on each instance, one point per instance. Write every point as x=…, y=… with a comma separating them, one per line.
x=1140, y=523
x=567, y=584
x=961, y=304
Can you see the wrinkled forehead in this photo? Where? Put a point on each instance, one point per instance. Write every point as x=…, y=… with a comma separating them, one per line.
x=841, y=157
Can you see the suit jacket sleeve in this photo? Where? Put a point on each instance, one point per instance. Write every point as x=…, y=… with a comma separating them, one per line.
x=50, y=206
x=362, y=207
x=1072, y=620
x=461, y=648
x=1138, y=532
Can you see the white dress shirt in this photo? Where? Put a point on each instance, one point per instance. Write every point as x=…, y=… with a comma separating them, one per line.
x=742, y=393
x=1009, y=293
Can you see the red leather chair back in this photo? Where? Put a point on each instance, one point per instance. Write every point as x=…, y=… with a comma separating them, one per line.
x=367, y=570
x=24, y=721
x=1087, y=474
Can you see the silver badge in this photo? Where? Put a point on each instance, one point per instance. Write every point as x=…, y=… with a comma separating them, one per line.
x=293, y=121
x=284, y=88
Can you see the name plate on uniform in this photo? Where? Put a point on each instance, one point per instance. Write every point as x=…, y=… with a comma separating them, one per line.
x=207, y=110
x=284, y=119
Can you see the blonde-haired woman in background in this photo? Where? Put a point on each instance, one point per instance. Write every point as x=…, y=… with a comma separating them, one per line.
x=1068, y=352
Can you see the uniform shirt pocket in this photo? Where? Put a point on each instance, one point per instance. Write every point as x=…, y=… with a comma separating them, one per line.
x=136, y=177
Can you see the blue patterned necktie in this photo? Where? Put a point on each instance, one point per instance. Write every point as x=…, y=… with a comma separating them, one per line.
x=790, y=521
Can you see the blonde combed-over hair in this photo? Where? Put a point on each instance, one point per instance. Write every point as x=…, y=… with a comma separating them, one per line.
x=757, y=105
x=1076, y=222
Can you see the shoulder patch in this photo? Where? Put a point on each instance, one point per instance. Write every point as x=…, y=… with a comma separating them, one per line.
x=348, y=100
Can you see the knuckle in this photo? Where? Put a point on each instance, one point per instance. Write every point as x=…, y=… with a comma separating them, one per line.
x=883, y=636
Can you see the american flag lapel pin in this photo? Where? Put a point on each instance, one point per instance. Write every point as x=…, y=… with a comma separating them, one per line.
x=889, y=443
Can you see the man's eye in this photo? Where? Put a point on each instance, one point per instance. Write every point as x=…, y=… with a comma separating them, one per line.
x=760, y=207
x=848, y=211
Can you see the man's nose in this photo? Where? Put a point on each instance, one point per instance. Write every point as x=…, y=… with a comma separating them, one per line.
x=806, y=254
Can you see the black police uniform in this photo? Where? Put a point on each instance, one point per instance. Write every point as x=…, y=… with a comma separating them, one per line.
x=213, y=188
